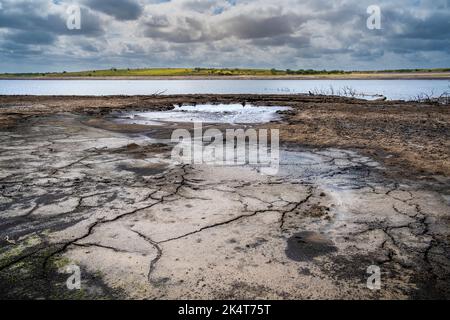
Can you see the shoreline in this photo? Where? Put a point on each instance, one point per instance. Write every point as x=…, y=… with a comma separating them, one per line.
x=318, y=121
x=375, y=76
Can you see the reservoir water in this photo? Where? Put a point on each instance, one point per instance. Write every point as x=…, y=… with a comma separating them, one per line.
x=391, y=89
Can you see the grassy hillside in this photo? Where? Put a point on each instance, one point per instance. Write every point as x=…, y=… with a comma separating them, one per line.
x=204, y=72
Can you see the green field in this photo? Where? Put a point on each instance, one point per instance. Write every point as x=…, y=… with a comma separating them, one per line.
x=207, y=72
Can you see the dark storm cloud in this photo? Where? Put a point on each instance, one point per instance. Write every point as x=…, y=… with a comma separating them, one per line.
x=27, y=37
x=91, y=25
x=283, y=40
x=185, y=30
x=434, y=26
x=121, y=10
x=249, y=27
x=367, y=54
x=401, y=46
x=190, y=29
x=11, y=49
x=88, y=46
x=30, y=19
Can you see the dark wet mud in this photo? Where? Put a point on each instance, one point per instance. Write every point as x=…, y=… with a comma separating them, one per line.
x=306, y=245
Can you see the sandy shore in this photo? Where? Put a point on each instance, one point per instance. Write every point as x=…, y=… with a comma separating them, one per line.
x=360, y=184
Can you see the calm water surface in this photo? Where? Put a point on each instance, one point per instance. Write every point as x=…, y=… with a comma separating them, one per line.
x=392, y=89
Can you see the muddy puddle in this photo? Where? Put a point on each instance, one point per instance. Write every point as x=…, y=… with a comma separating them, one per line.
x=206, y=113
x=307, y=245
x=144, y=171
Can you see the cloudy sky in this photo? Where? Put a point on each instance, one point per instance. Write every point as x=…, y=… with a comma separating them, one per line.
x=295, y=34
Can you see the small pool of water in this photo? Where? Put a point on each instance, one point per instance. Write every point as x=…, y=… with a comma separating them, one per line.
x=207, y=113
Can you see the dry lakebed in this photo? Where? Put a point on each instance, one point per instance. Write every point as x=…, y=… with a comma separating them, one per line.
x=89, y=181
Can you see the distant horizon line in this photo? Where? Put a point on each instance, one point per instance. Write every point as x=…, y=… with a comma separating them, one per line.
x=274, y=71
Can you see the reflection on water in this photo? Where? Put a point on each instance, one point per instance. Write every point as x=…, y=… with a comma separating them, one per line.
x=392, y=89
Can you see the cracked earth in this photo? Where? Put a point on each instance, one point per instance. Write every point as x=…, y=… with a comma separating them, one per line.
x=143, y=227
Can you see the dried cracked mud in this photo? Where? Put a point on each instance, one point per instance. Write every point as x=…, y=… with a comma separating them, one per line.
x=79, y=189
